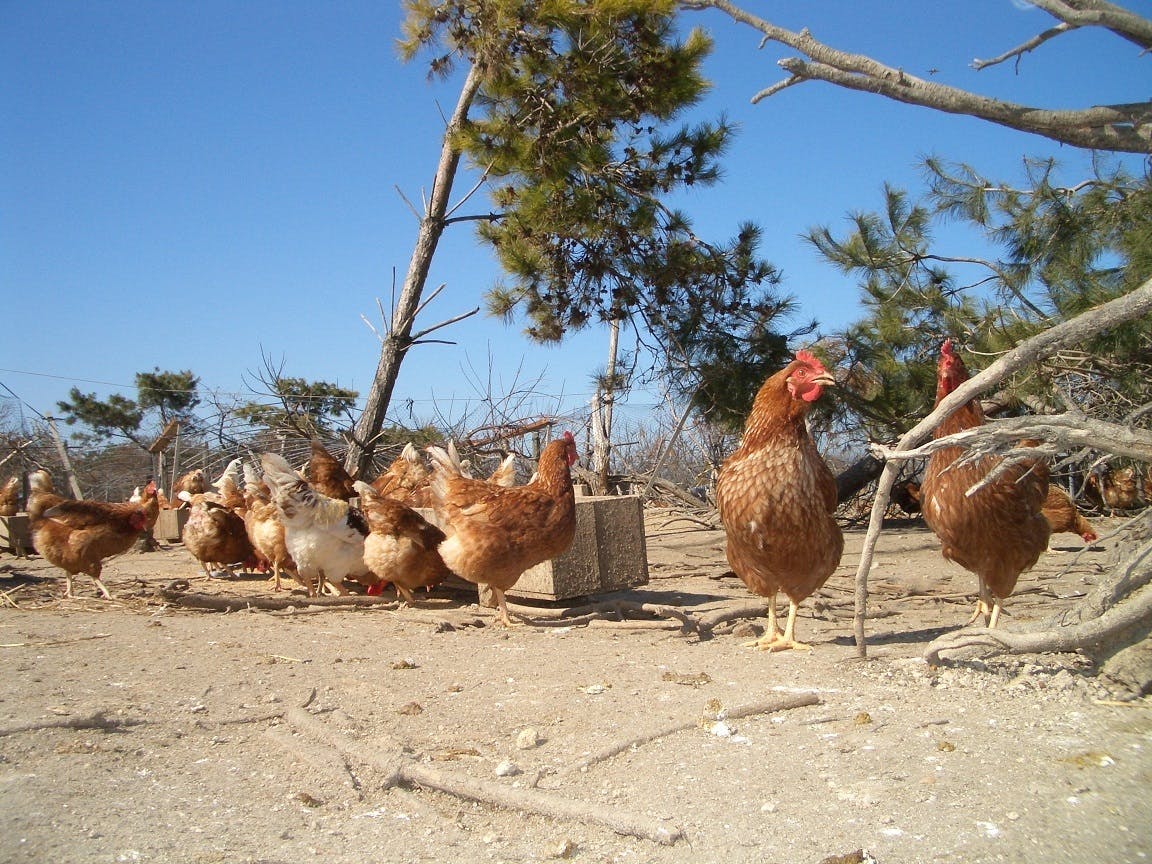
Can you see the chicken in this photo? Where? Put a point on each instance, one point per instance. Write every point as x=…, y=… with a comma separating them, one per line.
x=401, y=545
x=505, y=473
x=150, y=503
x=227, y=486
x=327, y=475
x=193, y=483
x=1116, y=490
x=77, y=536
x=324, y=536
x=10, y=497
x=406, y=480
x=997, y=532
x=1063, y=517
x=41, y=493
x=215, y=535
x=906, y=496
x=495, y=533
x=264, y=528
x=776, y=498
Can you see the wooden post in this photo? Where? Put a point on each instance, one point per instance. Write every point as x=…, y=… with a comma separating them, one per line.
x=62, y=449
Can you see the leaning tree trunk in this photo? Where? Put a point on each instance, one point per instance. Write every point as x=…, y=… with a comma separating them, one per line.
x=398, y=340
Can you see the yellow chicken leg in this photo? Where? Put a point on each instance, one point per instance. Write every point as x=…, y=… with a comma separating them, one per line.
x=788, y=642
x=771, y=633
x=505, y=621
x=986, y=608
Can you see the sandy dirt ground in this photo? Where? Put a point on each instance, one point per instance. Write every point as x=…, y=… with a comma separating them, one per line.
x=137, y=730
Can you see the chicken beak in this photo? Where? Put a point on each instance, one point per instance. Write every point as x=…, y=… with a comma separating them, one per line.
x=824, y=379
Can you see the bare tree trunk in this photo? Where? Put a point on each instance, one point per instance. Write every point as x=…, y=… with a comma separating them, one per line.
x=602, y=413
x=62, y=449
x=396, y=343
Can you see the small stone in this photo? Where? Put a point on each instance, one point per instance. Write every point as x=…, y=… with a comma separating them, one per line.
x=862, y=719
x=507, y=768
x=945, y=746
x=721, y=729
x=747, y=631
x=412, y=708
x=768, y=807
x=406, y=663
x=528, y=738
x=1011, y=815
x=565, y=849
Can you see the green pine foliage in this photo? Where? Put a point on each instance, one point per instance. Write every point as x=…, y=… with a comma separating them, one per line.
x=1059, y=250
x=578, y=129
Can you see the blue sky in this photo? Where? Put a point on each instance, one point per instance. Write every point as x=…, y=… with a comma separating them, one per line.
x=186, y=185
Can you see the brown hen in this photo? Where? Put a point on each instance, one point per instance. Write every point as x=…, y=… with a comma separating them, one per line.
x=495, y=533
x=776, y=498
x=997, y=532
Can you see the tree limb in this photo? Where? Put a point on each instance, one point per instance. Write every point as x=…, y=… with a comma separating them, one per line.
x=1119, y=128
x=1121, y=625
x=399, y=769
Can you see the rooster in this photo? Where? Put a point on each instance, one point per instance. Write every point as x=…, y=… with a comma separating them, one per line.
x=1063, y=517
x=401, y=545
x=324, y=536
x=77, y=536
x=776, y=498
x=495, y=533
x=997, y=532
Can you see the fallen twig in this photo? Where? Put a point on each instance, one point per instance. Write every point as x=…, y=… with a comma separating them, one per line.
x=710, y=622
x=218, y=603
x=53, y=642
x=96, y=720
x=607, y=611
x=783, y=703
x=399, y=770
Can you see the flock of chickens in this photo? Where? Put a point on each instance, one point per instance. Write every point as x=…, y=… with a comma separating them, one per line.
x=775, y=494
x=303, y=526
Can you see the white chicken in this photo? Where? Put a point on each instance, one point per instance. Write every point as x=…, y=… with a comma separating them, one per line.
x=324, y=536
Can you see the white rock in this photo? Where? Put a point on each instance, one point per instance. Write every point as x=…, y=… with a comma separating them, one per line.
x=528, y=738
x=507, y=768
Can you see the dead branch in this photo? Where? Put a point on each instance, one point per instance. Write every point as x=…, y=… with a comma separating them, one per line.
x=219, y=603
x=399, y=769
x=54, y=642
x=1068, y=431
x=1132, y=305
x=1121, y=625
x=608, y=610
x=96, y=720
x=1119, y=128
x=771, y=706
x=710, y=622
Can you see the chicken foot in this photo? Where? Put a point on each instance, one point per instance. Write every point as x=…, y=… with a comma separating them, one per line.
x=987, y=607
x=94, y=576
x=773, y=639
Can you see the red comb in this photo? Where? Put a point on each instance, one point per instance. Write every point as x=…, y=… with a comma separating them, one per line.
x=567, y=436
x=809, y=359
x=946, y=348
